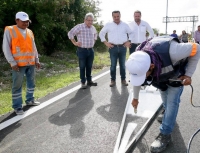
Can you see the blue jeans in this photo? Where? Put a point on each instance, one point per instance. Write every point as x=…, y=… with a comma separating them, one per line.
x=86, y=58
x=17, y=77
x=133, y=48
x=115, y=53
x=171, y=100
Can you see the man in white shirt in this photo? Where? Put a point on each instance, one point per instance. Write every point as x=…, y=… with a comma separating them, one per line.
x=139, y=28
x=117, y=42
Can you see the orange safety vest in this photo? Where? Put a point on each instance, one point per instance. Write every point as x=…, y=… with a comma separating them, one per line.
x=22, y=48
x=194, y=49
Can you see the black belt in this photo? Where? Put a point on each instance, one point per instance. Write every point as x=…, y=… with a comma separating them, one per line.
x=136, y=43
x=118, y=45
x=85, y=48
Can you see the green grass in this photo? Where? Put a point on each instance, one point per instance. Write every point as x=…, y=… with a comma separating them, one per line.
x=57, y=72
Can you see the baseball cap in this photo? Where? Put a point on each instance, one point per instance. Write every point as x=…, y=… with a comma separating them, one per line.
x=22, y=16
x=138, y=64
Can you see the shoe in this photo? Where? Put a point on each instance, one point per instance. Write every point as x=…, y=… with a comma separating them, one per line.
x=124, y=83
x=83, y=86
x=112, y=83
x=19, y=111
x=32, y=103
x=91, y=83
x=161, y=142
x=160, y=116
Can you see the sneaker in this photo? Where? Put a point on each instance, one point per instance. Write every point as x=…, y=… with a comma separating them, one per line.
x=124, y=83
x=32, y=103
x=83, y=86
x=160, y=116
x=161, y=142
x=19, y=111
x=112, y=83
x=91, y=83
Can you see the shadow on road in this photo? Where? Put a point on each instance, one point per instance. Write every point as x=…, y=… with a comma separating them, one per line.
x=5, y=132
x=79, y=106
x=114, y=111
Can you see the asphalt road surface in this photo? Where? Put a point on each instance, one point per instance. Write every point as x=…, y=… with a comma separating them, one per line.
x=88, y=121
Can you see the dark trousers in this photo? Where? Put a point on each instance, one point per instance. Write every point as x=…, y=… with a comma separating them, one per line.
x=118, y=52
x=86, y=58
x=133, y=47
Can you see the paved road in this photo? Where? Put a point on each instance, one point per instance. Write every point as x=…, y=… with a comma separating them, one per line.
x=88, y=121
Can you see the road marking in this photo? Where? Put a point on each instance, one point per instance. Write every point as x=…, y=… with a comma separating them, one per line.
x=45, y=104
x=150, y=102
x=129, y=130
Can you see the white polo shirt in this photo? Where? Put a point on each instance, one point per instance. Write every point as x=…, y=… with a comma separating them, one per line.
x=117, y=33
x=139, y=31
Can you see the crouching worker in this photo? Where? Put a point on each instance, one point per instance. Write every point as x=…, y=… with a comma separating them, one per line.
x=167, y=65
x=20, y=51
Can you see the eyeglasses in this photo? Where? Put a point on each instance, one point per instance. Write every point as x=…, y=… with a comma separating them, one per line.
x=90, y=20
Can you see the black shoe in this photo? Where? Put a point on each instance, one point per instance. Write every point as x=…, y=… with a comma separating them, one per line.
x=91, y=83
x=112, y=83
x=161, y=143
x=83, y=86
x=160, y=116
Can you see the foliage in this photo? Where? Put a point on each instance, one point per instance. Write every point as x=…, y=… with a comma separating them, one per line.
x=156, y=31
x=51, y=19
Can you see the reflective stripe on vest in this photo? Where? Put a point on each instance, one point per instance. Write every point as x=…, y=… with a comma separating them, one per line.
x=194, y=49
x=22, y=48
x=167, y=69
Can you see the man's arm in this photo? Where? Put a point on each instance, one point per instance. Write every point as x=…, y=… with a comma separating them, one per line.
x=179, y=51
x=150, y=30
x=136, y=90
x=95, y=34
x=130, y=36
x=192, y=63
x=102, y=35
x=37, y=63
x=7, y=48
x=195, y=38
x=73, y=32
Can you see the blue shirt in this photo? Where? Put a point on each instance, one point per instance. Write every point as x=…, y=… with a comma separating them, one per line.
x=174, y=35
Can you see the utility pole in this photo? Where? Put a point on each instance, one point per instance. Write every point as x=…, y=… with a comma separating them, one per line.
x=193, y=26
x=166, y=17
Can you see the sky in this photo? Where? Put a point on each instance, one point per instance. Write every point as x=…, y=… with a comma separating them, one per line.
x=153, y=12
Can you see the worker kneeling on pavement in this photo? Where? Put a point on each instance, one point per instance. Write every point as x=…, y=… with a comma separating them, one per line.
x=167, y=65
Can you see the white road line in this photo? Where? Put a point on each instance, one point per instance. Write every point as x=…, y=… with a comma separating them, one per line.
x=150, y=102
x=44, y=104
x=129, y=130
x=117, y=144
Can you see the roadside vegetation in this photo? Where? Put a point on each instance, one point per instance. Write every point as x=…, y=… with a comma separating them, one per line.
x=57, y=71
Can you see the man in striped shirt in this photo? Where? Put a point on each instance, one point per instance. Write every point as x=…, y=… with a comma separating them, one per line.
x=197, y=35
x=86, y=36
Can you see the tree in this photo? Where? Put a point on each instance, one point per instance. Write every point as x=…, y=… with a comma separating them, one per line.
x=51, y=19
x=156, y=31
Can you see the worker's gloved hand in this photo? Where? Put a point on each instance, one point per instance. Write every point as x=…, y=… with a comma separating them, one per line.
x=135, y=104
